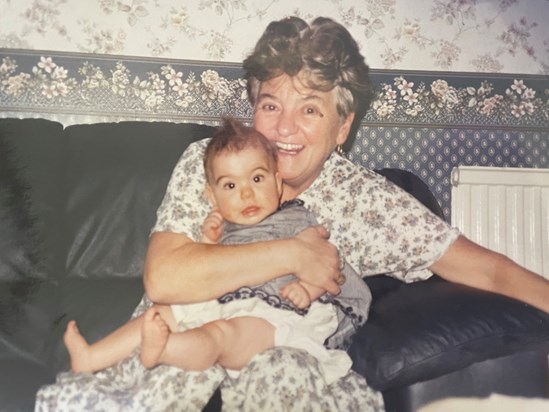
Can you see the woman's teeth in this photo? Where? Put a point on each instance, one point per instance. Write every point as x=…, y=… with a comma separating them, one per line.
x=288, y=147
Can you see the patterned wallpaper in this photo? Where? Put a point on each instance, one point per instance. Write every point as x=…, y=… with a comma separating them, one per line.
x=506, y=36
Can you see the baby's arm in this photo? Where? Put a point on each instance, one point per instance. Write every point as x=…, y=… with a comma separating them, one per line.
x=212, y=228
x=301, y=294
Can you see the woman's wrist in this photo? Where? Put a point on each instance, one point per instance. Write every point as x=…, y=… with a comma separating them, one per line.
x=291, y=254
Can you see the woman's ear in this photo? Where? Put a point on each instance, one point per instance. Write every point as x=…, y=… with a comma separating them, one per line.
x=345, y=128
x=210, y=195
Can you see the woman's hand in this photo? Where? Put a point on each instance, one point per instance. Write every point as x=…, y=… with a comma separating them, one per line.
x=318, y=261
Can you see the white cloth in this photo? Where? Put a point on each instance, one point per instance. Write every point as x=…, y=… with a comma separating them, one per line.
x=306, y=332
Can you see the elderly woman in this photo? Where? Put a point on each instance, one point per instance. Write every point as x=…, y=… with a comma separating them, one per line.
x=309, y=87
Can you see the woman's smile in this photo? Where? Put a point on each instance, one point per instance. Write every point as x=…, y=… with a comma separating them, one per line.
x=289, y=148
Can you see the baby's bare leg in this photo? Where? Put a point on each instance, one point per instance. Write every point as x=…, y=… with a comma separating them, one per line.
x=230, y=343
x=242, y=339
x=105, y=352
x=111, y=349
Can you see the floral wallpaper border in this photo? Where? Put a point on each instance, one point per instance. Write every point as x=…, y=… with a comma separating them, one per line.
x=124, y=88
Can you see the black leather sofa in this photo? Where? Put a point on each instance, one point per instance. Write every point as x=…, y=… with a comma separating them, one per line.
x=76, y=207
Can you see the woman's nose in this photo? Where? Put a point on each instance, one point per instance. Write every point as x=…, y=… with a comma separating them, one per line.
x=286, y=123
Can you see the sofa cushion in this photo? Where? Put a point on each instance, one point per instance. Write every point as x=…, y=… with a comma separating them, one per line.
x=98, y=305
x=116, y=177
x=27, y=311
x=31, y=169
x=19, y=381
x=423, y=330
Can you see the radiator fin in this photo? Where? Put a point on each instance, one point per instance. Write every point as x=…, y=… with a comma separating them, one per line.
x=506, y=210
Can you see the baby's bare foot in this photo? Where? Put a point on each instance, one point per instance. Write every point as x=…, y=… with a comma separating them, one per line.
x=78, y=349
x=154, y=337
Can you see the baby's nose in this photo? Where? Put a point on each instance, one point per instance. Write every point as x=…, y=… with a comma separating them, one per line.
x=246, y=192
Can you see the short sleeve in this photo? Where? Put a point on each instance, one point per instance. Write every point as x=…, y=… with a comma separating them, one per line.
x=185, y=205
x=379, y=227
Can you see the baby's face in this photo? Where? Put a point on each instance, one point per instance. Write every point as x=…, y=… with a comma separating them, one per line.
x=245, y=186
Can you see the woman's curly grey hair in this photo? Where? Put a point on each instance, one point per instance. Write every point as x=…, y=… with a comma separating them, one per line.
x=324, y=54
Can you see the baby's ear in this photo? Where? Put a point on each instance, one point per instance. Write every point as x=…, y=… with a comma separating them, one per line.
x=278, y=183
x=210, y=195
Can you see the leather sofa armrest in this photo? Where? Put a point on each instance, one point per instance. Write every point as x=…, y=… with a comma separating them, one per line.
x=423, y=330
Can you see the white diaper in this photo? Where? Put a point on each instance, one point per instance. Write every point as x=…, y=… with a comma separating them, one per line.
x=302, y=332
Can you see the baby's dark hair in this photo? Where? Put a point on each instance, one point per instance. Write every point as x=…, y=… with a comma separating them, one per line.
x=234, y=136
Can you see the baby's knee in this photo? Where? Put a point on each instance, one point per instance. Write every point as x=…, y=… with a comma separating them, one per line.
x=221, y=326
x=220, y=329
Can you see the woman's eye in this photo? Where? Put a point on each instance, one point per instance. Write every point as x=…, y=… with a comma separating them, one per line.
x=268, y=107
x=313, y=111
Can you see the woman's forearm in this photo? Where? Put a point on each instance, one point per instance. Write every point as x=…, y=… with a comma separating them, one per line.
x=470, y=264
x=178, y=270
x=517, y=282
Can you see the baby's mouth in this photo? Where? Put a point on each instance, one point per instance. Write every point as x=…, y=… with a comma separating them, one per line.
x=250, y=211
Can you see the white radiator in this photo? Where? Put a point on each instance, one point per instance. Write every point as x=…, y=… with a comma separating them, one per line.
x=506, y=210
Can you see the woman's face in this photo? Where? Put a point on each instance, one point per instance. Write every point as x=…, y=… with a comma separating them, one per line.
x=305, y=126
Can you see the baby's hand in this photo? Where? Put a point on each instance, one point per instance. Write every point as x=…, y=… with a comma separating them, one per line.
x=296, y=294
x=212, y=228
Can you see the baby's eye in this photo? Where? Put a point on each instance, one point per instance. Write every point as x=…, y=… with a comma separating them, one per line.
x=229, y=186
x=258, y=178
